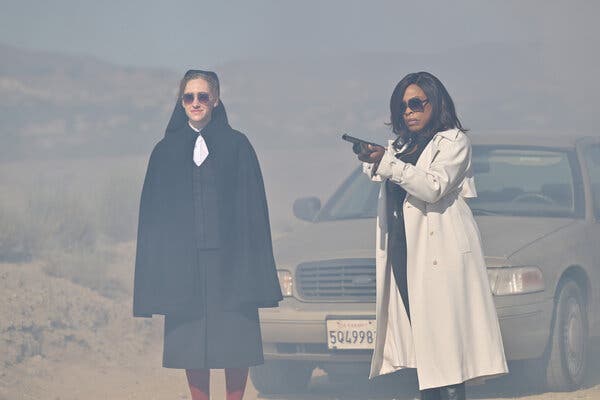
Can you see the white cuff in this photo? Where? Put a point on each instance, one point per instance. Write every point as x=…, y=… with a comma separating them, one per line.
x=388, y=165
x=369, y=170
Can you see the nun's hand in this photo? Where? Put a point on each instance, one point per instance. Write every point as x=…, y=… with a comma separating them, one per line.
x=371, y=154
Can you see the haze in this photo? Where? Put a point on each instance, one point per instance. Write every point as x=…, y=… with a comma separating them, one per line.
x=86, y=90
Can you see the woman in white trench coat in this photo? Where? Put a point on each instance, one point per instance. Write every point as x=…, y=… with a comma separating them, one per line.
x=435, y=310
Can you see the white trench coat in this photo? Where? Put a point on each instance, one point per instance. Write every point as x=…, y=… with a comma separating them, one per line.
x=453, y=335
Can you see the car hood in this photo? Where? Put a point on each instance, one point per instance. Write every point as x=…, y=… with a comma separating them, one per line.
x=352, y=238
x=355, y=238
x=504, y=236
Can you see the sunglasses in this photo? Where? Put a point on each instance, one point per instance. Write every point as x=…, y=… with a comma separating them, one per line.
x=415, y=104
x=203, y=97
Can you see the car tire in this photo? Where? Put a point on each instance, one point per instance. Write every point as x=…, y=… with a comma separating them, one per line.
x=567, y=358
x=278, y=377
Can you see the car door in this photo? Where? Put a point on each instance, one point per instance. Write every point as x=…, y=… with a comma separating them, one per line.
x=591, y=156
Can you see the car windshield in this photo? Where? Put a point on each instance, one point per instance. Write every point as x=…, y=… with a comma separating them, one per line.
x=515, y=181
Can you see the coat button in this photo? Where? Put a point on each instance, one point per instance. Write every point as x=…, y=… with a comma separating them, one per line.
x=431, y=233
x=434, y=262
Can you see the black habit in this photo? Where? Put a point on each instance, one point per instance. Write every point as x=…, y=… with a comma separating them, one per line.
x=204, y=253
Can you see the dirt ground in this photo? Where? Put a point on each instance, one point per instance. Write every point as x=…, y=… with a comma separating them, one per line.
x=40, y=378
x=63, y=341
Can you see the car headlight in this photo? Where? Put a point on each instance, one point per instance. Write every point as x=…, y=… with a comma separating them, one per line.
x=286, y=282
x=515, y=280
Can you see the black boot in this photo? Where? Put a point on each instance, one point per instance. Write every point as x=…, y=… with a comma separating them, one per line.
x=453, y=392
x=431, y=394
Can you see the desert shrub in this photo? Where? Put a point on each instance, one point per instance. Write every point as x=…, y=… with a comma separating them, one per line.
x=15, y=240
x=117, y=206
x=70, y=222
x=58, y=220
x=85, y=267
x=20, y=343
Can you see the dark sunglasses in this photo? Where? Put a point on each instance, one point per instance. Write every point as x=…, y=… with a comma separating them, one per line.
x=415, y=104
x=203, y=97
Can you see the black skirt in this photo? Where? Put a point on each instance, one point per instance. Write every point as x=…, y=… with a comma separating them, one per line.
x=212, y=337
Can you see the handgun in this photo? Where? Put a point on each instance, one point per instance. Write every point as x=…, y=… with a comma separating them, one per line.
x=358, y=143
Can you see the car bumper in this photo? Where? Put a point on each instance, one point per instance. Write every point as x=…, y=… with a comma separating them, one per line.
x=297, y=331
x=525, y=327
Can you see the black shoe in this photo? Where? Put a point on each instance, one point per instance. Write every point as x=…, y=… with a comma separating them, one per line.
x=431, y=394
x=453, y=392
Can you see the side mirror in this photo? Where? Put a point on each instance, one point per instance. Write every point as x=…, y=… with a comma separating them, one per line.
x=306, y=208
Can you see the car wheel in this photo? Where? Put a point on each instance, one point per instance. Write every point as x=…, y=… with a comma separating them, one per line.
x=567, y=360
x=277, y=377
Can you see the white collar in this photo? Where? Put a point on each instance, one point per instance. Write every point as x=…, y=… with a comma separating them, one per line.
x=193, y=127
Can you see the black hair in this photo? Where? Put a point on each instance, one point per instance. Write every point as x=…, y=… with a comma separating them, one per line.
x=443, y=115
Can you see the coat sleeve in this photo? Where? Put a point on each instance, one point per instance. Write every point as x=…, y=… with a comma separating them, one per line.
x=147, y=227
x=450, y=163
x=370, y=171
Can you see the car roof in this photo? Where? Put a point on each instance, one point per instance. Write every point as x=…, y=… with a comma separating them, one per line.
x=529, y=138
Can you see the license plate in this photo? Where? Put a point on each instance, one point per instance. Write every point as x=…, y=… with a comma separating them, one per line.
x=350, y=334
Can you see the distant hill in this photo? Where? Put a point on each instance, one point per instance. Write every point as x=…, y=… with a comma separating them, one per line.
x=60, y=105
x=57, y=105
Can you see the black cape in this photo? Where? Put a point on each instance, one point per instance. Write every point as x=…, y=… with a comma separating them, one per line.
x=166, y=278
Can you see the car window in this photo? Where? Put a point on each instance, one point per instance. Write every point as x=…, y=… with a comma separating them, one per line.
x=592, y=159
x=523, y=182
x=509, y=180
x=356, y=198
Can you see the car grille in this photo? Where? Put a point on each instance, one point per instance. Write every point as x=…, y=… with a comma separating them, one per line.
x=337, y=280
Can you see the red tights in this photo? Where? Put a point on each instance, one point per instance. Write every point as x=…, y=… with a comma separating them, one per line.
x=199, y=381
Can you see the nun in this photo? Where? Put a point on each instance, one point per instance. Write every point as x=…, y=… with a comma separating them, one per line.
x=204, y=255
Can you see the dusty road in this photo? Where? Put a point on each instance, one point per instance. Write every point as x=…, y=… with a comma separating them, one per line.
x=62, y=341
x=143, y=378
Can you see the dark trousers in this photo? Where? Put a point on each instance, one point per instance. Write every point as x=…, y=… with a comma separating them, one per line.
x=397, y=254
x=451, y=392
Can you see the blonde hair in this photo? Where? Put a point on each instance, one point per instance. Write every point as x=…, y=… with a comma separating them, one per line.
x=208, y=76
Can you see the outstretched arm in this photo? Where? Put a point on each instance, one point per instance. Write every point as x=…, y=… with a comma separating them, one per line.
x=446, y=171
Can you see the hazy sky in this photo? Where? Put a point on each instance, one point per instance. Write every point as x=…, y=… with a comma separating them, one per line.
x=178, y=34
